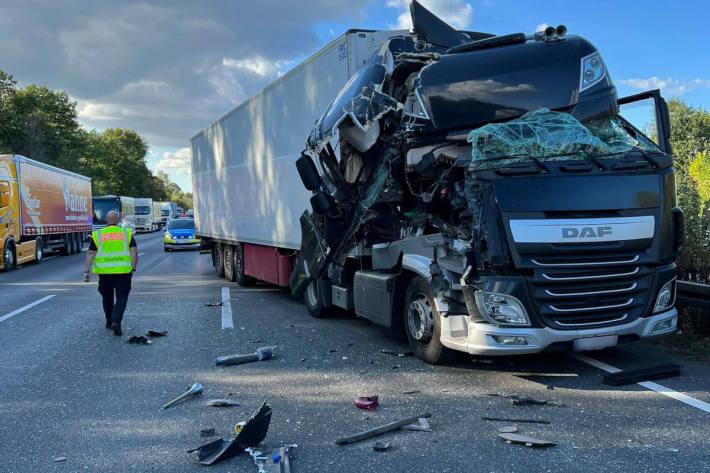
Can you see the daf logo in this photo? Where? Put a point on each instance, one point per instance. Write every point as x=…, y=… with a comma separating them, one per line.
x=585, y=232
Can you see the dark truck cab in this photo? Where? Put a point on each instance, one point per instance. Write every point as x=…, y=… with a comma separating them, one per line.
x=486, y=196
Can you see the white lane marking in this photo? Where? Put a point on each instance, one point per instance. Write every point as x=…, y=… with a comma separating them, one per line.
x=140, y=254
x=28, y=306
x=226, y=309
x=691, y=401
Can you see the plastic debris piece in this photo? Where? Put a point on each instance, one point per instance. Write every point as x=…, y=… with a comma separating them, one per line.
x=263, y=353
x=207, y=432
x=213, y=304
x=276, y=461
x=251, y=433
x=648, y=373
x=528, y=401
x=154, y=333
x=381, y=446
x=222, y=403
x=379, y=430
x=421, y=425
x=59, y=459
x=395, y=353
x=139, y=340
x=413, y=391
x=369, y=402
x=507, y=429
x=527, y=441
x=194, y=390
x=506, y=419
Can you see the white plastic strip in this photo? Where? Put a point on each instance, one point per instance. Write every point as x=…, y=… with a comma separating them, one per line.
x=582, y=230
x=684, y=398
x=28, y=306
x=226, y=309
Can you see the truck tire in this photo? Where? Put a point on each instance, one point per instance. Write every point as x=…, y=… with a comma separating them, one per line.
x=239, y=273
x=65, y=249
x=228, y=253
x=39, y=250
x=217, y=259
x=313, y=301
x=74, y=243
x=8, y=256
x=422, y=323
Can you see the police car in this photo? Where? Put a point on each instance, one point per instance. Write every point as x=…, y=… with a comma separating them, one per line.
x=180, y=233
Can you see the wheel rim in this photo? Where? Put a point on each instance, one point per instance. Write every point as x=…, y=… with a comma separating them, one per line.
x=228, y=261
x=420, y=319
x=311, y=294
x=238, y=261
x=9, y=258
x=39, y=251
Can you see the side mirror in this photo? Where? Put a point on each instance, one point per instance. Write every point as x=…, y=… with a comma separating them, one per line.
x=308, y=172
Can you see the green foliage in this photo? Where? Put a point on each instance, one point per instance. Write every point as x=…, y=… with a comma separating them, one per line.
x=690, y=138
x=174, y=193
x=42, y=124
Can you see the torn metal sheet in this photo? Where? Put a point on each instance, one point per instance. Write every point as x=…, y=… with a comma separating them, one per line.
x=421, y=425
x=527, y=441
x=379, y=430
x=250, y=433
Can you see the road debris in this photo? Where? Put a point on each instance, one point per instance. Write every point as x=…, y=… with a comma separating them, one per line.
x=527, y=441
x=421, y=425
x=507, y=429
x=263, y=353
x=413, y=391
x=276, y=461
x=59, y=459
x=194, y=390
x=155, y=333
x=249, y=433
x=207, y=432
x=395, y=353
x=648, y=373
x=222, y=403
x=367, y=402
x=214, y=304
x=507, y=419
x=139, y=340
x=379, y=430
x=381, y=446
x=516, y=400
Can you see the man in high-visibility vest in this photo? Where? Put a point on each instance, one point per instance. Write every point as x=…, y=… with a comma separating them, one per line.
x=113, y=255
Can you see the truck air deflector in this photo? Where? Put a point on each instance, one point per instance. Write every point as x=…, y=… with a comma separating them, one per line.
x=582, y=230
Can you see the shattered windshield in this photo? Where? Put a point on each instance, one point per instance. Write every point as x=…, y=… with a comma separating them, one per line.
x=546, y=135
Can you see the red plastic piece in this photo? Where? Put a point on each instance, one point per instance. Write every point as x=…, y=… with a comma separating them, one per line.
x=369, y=402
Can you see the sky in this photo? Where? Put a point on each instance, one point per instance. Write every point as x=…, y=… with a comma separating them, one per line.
x=169, y=68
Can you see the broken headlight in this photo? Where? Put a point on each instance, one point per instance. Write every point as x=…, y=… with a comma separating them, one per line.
x=666, y=297
x=593, y=70
x=501, y=309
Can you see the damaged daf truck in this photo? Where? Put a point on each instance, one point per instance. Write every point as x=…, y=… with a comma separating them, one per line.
x=482, y=194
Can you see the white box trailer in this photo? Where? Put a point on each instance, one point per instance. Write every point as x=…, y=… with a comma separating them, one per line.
x=247, y=194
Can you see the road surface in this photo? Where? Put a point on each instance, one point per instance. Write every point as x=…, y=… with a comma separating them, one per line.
x=71, y=389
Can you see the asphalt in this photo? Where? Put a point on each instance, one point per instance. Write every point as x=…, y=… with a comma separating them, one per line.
x=71, y=389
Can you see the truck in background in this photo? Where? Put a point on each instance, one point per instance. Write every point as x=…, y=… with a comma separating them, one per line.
x=148, y=217
x=124, y=206
x=42, y=208
x=476, y=193
x=168, y=210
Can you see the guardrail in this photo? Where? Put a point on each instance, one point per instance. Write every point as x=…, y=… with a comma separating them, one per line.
x=694, y=294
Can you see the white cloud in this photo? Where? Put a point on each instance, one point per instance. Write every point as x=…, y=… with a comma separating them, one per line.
x=457, y=13
x=669, y=85
x=541, y=27
x=256, y=64
x=179, y=162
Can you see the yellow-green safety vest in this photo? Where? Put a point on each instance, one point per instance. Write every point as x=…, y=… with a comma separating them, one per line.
x=112, y=253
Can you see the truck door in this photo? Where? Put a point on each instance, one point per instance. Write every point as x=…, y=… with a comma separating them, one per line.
x=5, y=209
x=648, y=113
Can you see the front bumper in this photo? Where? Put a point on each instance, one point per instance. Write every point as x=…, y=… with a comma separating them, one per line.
x=458, y=333
x=180, y=243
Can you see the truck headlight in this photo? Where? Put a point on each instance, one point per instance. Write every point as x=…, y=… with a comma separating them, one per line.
x=666, y=297
x=501, y=309
x=592, y=71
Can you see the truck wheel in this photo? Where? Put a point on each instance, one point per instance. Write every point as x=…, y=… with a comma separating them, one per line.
x=8, y=256
x=74, y=243
x=39, y=250
x=228, y=253
x=422, y=323
x=65, y=249
x=217, y=259
x=313, y=301
x=239, y=274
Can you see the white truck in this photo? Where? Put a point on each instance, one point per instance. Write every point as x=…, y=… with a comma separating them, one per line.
x=147, y=215
x=168, y=210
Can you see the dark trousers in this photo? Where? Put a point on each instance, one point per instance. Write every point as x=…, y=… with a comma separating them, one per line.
x=121, y=285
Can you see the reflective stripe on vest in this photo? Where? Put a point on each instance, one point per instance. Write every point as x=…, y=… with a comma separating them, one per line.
x=112, y=251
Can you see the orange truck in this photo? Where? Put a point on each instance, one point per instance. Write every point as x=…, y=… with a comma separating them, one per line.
x=42, y=208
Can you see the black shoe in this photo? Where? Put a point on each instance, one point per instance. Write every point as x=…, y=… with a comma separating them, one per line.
x=117, y=329
x=108, y=323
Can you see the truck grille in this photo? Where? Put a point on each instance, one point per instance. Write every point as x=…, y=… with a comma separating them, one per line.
x=598, y=291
